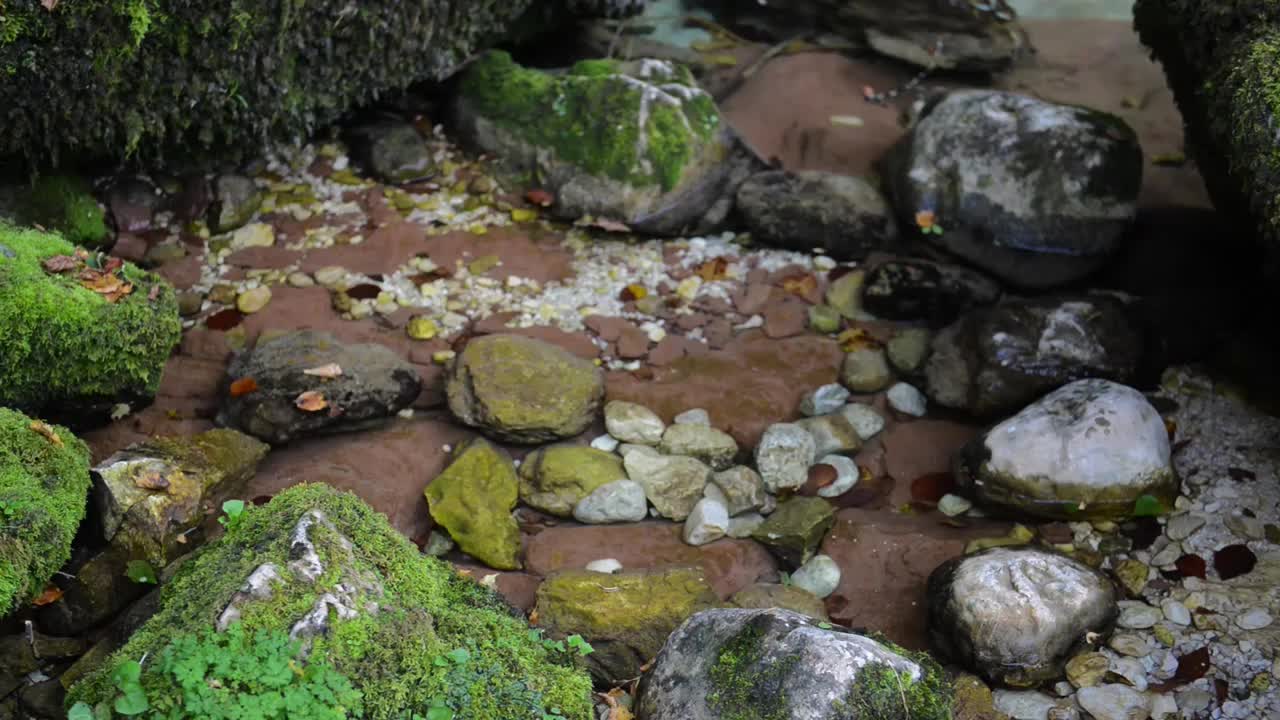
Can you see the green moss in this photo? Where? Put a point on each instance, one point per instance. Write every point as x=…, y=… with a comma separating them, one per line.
x=65, y=204
x=425, y=610
x=882, y=693
x=473, y=499
x=43, y=491
x=590, y=117
x=65, y=346
x=740, y=689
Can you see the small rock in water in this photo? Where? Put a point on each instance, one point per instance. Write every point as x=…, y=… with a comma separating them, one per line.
x=866, y=420
x=1024, y=704
x=709, y=521
x=1254, y=619
x=795, y=530
x=824, y=400
x=865, y=370
x=742, y=488
x=831, y=433
x=1181, y=527
x=438, y=544
x=845, y=294
x=824, y=319
x=1088, y=669
x=908, y=348
x=604, y=565
x=954, y=505
x=1130, y=644
x=920, y=290
x=619, y=501
x=252, y=300
x=907, y=400
x=1175, y=612
x=820, y=576
x=673, y=483
x=784, y=455
x=715, y=448
x=1138, y=615
x=607, y=443
x=847, y=475
x=1112, y=702
x=632, y=423
x=844, y=215
x=742, y=526
x=696, y=416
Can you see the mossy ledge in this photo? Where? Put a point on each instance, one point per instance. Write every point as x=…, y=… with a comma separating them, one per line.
x=397, y=655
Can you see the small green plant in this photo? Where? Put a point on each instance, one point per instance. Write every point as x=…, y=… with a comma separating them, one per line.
x=80, y=711
x=573, y=642
x=824, y=625
x=784, y=579
x=141, y=571
x=1148, y=506
x=7, y=510
x=232, y=511
x=127, y=678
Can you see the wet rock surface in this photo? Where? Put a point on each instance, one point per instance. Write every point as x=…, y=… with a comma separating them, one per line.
x=845, y=216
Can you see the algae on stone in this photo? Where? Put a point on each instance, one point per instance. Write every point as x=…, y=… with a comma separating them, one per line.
x=66, y=205
x=473, y=499
x=66, y=349
x=44, y=486
x=795, y=530
x=555, y=479
x=404, y=629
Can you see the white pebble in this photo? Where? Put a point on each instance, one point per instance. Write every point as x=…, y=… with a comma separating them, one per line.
x=847, y=474
x=1254, y=619
x=953, y=505
x=908, y=400
x=604, y=565
x=1175, y=612
x=820, y=576
x=607, y=443
x=695, y=416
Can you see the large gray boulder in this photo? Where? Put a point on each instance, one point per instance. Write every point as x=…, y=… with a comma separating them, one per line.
x=1036, y=193
x=728, y=663
x=1015, y=615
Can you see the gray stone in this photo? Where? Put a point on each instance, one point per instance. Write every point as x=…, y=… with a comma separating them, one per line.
x=393, y=151
x=908, y=348
x=914, y=290
x=742, y=526
x=783, y=646
x=235, y=200
x=847, y=475
x=1254, y=619
x=824, y=400
x=907, y=400
x=1131, y=644
x=1175, y=612
x=1024, y=704
x=619, y=501
x=696, y=416
x=608, y=566
x=632, y=423
x=1181, y=527
x=1036, y=193
x=831, y=434
x=1088, y=450
x=714, y=447
x=845, y=216
x=1113, y=702
x=954, y=505
x=784, y=455
x=673, y=483
x=820, y=576
x=708, y=522
x=742, y=487
x=375, y=384
x=1137, y=615
x=865, y=370
x=866, y=420
x=996, y=360
x=1015, y=615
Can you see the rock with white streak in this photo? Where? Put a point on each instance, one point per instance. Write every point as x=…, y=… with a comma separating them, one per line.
x=708, y=522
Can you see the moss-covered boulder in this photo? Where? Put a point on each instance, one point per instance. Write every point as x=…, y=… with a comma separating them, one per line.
x=44, y=488
x=150, y=496
x=517, y=389
x=72, y=344
x=1223, y=63
x=795, y=530
x=65, y=204
x=316, y=585
x=637, y=142
x=555, y=479
x=779, y=665
x=208, y=80
x=473, y=499
x=625, y=616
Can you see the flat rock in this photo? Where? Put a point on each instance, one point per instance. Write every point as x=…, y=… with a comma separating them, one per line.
x=618, y=501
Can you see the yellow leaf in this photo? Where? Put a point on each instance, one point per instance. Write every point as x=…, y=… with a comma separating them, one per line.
x=47, y=431
x=523, y=215
x=311, y=401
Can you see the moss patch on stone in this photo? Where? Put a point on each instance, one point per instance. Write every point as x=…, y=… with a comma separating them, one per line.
x=554, y=479
x=740, y=694
x=65, y=204
x=44, y=488
x=65, y=346
x=394, y=654
x=642, y=131
x=473, y=499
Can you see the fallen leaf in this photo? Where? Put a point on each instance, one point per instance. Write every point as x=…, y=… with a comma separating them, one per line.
x=1191, y=566
x=329, y=370
x=533, y=614
x=609, y=225
x=800, y=285
x=47, y=431
x=243, y=386
x=633, y=292
x=50, y=595
x=925, y=219
x=541, y=198
x=856, y=339
x=224, y=320
x=846, y=121
x=713, y=269
x=311, y=401
x=1191, y=667
x=1234, y=561
x=60, y=263
x=152, y=481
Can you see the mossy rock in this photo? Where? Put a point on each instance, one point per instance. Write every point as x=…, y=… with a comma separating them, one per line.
x=555, y=479
x=786, y=597
x=773, y=664
x=625, y=616
x=65, y=350
x=795, y=530
x=44, y=487
x=637, y=141
x=65, y=204
x=404, y=630
x=473, y=499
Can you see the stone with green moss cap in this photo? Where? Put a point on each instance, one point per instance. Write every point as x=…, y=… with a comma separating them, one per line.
x=66, y=350
x=403, y=629
x=555, y=479
x=625, y=616
x=473, y=499
x=773, y=664
x=638, y=142
x=65, y=204
x=794, y=531
x=44, y=483
x=521, y=390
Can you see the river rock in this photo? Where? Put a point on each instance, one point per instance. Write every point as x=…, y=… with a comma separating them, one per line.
x=916, y=290
x=908, y=349
x=847, y=475
x=995, y=361
x=235, y=200
x=673, y=483
x=832, y=434
x=1015, y=615
x=375, y=384
x=785, y=665
x=742, y=488
x=820, y=576
x=626, y=617
x=693, y=416
x=473, y=499
x=713, y=447
x=395, y=152
x=844, y=215
x=1113, y=702
x=618, y=501
x=866, y=370
x=708, y=522
x=1090, y=449
x=824, y=400
x=783, y=457
x=1036, y=193
x=844, y=293
x=794, y=531
x=520, y=390
x=632, y=423
x=906, y=399
x=556, y=479
x=637, y=142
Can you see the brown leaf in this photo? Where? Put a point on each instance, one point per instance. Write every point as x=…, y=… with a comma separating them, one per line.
x=47, y=431
x=713, y=269
x=1191, y=566
x=243, y=386
x=60, y=263
x=800, y=285
x=330, y=370
x=541, y=198
x=930, y=488
x=609, y=225
x=856, y=339
x=50, y=595
x=224, y=320
x=311, y=401
x=1234, y=561
x=152, y=481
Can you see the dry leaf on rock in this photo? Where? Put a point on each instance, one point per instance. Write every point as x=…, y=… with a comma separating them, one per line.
x=330, y=370
x=152, y=481
x=60, y=263
x=46, y=431
x=243, y=386
x=311, y=401
x=801, y=285
x=713, y=269
x=52, y=593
